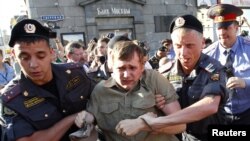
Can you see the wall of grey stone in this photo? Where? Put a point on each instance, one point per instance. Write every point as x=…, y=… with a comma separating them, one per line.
x=84, y=19
x=73, y=14
x=163, y=8
x=136, y=15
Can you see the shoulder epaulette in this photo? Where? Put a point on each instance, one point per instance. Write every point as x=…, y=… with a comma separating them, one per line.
x=210, y=47
x=72, y=65
x=11, y=93
x=207, y=65
x=246, y=40
x=166, y=67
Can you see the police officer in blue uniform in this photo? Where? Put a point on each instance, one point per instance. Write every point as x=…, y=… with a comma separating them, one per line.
x=43, y=102
x=198, y=79
x=234, y=50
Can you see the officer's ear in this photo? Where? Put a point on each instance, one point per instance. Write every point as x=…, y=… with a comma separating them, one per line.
x=13, y=52
x=203, y=43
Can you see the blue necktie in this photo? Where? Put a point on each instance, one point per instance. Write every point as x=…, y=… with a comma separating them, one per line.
x=229, y=71
x=229, y=64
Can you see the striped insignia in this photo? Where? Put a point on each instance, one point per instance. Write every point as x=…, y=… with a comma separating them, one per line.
x=175, y=78
x=73, y=82
x=33, y=101
x=210, y=68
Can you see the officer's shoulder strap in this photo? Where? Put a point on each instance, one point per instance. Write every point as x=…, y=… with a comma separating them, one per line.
x=210, y=48
x=72, y=66
x=11, y=93
x=246, y=40
x=166, y=67
x=208, y=64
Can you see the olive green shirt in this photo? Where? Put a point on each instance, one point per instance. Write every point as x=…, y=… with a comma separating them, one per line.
x=110, y=104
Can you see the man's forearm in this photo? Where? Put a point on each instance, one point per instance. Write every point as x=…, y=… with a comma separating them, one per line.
x=53, y=133
x=195, y=112
x=174, y=129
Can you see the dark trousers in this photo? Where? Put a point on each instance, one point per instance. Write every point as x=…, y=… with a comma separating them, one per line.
x=239, y=119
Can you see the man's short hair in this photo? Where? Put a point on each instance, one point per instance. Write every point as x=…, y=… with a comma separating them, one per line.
x=166, y=42
x=104, y=39
x=71, y=45
x=124, y=50
x=116, y=39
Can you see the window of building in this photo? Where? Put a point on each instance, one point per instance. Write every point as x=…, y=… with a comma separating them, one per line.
x=162, y=23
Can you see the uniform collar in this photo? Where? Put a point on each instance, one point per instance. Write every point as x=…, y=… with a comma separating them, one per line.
x=233, y=48
x=177, y=69
x=110, y=82
x=30, y=88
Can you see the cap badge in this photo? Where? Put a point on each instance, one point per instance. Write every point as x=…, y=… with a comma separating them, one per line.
x=30, y=28
x=220, y=19
x=68, y=71
x=179, y=22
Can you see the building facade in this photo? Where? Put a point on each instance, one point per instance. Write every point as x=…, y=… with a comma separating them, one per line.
x=145, y=20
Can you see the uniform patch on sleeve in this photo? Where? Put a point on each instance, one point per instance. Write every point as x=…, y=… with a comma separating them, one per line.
x=8, y=112
x=215, y=77
x=11, y=94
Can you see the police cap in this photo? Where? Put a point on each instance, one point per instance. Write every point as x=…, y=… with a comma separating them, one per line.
x=186, y=21
x=224, y=14
x=29, y=28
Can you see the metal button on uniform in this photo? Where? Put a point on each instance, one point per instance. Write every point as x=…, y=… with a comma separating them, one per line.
x=68, y=71
x=64, y=111
x=46, y=115
x=82, y=97
x=25, y=93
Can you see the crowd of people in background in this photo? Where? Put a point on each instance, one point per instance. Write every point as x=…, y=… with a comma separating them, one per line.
x=94, y=55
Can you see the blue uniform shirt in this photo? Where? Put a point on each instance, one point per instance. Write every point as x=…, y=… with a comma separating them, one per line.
x=7, y=75
x=171, y=54
x=241, y=65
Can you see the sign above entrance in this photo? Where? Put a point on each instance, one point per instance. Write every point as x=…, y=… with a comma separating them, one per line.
x=52, y=17
x=113, y=11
